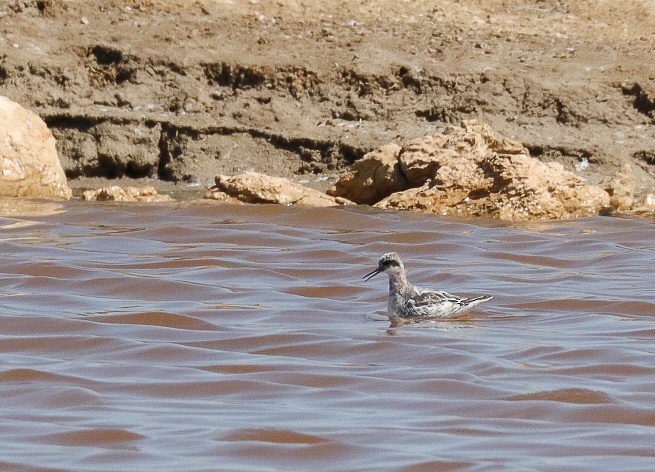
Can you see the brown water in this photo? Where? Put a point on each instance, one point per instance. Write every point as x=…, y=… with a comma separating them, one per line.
x=240, y=338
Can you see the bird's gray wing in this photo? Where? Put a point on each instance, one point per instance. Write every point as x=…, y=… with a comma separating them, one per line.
x=431, y=303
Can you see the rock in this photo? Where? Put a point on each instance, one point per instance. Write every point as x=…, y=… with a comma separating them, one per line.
x=448, y=157
x=644, y=206
x=375, y=176
x=29, y=165
x=213, y=193
x=420, y=159
x=621, y=188
x=648, y=200
x=253, y=187
x=147, y=194
x=469, y=171
x=454, y=153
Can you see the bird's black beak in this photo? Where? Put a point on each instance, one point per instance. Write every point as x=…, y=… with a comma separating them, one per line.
x=370, y=275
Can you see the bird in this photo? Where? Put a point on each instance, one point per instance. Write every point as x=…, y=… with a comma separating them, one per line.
x=409, y=302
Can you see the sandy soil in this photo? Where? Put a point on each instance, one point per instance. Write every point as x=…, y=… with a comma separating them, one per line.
x=179, y=91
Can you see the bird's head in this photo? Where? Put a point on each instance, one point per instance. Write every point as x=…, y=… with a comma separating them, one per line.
x=389, y=263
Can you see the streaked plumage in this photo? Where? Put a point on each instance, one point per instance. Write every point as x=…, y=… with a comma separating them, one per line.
x=408, y=301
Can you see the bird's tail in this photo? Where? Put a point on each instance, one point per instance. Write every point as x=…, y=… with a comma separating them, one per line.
x=473, y=301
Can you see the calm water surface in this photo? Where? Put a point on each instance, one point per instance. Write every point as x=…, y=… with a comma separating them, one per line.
x=211, y=337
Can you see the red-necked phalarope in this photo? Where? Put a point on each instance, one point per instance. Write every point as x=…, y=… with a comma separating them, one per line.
x=408, y=301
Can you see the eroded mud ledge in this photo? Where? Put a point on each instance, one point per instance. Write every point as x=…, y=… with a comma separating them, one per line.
x=184, y=91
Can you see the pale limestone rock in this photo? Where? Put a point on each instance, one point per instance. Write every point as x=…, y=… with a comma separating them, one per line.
x=372, y=178
x=214, y=194
x=253, y=187
x=147, y=194
x=621, y=188
x=647, y=201
x=29, y=165
x=644, y=206
x=468, y=171
x=519, y=188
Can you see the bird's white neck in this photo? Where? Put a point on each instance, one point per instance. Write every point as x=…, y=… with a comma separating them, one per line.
x=397, y=281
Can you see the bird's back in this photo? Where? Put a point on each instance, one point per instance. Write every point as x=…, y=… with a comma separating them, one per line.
x=417, y=302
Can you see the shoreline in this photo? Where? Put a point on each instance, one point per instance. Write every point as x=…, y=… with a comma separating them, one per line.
x=178, y=92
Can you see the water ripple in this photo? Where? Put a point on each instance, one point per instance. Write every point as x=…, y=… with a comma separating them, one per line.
x=243, y=338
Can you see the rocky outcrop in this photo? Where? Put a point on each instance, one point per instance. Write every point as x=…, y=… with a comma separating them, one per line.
x=29, y=165
x=469, y=171
x=644, y=206
x=147, y=194
x=377, y=175
x=621, y=188
x=253, y=187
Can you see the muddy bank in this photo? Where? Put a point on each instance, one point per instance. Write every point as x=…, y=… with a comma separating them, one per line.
x=180, y=92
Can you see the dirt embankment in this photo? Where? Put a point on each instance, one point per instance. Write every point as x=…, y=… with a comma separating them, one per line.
x=184, y=90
